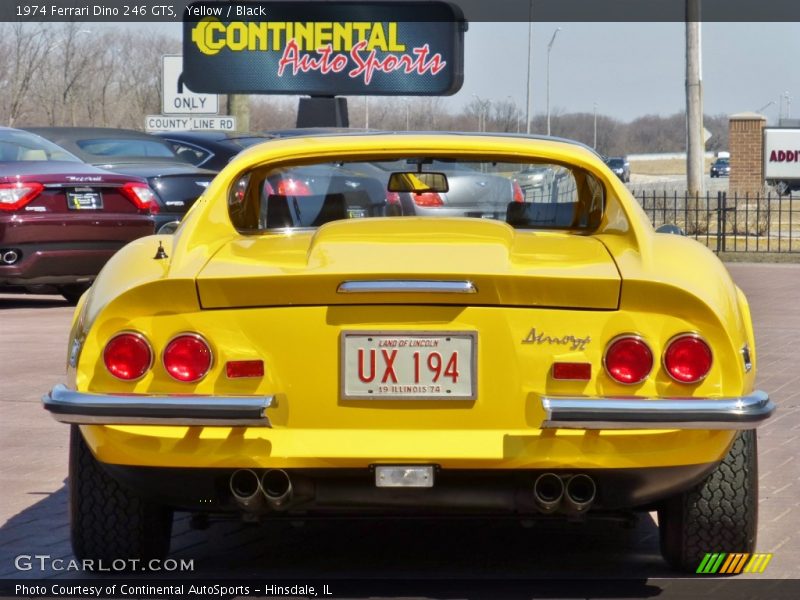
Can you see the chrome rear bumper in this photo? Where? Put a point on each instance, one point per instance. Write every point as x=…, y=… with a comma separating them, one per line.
x=69, y=406
x=746, y=412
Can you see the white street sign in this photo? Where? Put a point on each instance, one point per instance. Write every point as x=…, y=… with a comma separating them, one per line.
x=176, y=98
x=706, y=135
x=188, y=123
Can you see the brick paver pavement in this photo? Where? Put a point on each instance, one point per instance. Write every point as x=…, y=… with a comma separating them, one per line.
x=33, y=506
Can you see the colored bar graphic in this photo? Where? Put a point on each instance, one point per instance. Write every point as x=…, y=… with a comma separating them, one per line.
x=733, y=563
x=758, y=563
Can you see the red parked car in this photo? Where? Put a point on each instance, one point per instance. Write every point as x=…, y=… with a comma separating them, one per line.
x=60, y=219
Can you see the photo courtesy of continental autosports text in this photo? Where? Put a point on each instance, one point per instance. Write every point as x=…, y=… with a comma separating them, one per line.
x=399, y=298
x=181, y=590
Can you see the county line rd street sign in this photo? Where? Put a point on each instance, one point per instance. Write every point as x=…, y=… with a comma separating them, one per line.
x=176, y=98
x=189, y=123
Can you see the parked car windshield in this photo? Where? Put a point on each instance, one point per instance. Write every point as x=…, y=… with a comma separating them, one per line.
x=22, y=146
x=525, y=195
x=616, y=162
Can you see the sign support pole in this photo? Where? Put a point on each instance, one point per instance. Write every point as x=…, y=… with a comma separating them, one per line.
x=239, y=107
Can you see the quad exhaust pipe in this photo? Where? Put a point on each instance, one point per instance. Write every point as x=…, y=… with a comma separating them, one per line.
x=255, y=494
x=551, y=493
x=548, y=491
x=274, y=490
x=246, y=489
x=580, y=493
x=9, y=257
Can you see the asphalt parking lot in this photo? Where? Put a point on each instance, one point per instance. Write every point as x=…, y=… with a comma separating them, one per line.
x=33, y=496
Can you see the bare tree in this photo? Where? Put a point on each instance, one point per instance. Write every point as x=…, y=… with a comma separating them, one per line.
x=25, y=47
x=506, y=116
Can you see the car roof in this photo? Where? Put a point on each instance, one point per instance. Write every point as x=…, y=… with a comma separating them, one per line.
x=80, y=133
x=214, y=136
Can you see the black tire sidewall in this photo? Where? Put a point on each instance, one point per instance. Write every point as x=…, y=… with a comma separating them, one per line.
x=720, y=514
x=108, y=521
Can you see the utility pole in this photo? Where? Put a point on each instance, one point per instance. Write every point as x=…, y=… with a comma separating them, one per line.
x=694, y=102
x=239, y=107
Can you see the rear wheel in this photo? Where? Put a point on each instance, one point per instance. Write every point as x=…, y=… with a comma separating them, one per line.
x=720, y=514
x=107, y=521
x=73, y=291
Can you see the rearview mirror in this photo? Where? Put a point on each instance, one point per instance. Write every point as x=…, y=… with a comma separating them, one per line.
x=418, y=183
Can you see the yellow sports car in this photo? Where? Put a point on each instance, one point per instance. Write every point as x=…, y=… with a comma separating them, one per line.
x=402, y=323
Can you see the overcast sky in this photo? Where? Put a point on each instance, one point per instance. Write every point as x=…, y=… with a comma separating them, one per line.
x=631, y=69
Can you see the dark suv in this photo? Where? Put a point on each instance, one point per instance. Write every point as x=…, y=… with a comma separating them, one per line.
x=620, y=166
x=721, y=168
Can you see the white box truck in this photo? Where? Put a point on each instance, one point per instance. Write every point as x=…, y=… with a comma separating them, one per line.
x=782, y=158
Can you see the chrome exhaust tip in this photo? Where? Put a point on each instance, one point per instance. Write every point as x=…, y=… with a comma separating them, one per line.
x=246, y=490
x=277, y=488
x=10, y=257
x=548, y=491
x=580, y=493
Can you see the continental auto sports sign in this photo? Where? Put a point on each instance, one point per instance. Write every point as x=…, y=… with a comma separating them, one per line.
x=323, y=48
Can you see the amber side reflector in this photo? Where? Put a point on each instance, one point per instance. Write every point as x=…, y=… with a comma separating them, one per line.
x=244, y=368
x=572, y=371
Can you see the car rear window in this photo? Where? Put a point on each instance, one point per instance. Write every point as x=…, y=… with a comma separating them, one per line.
x=17, y=146
x=524, y=194
x=126, y=147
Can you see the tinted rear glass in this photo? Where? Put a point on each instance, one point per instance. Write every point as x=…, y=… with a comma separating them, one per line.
x=126, y=147
x=525, y=195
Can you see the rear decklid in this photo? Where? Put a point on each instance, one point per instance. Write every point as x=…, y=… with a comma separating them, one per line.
x=177, y=185
x=504, y=266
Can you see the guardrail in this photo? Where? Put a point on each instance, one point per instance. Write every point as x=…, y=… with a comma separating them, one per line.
x=729, y=222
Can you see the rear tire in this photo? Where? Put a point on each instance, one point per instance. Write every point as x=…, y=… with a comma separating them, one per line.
x=107, y=521
x=72, y=292
x=719, y=514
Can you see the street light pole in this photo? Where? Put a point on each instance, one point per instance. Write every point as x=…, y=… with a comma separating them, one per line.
x=549, y=48
x=528, y=84
x=594, y=145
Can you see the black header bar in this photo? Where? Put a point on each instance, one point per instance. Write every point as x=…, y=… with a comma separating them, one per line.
x=133, y=11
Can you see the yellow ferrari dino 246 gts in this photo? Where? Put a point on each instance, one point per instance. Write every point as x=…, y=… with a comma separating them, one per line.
x=427, y=324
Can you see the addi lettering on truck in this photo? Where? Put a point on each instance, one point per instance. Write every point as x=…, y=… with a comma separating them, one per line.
x=782, y=159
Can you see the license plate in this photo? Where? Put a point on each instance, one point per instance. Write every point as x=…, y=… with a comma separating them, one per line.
x=404, y=476
x=408, y=365
x=84, y=200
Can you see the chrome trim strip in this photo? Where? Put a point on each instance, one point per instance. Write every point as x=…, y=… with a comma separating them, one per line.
x=746, y=412
x=83, y=408
x=406, y=286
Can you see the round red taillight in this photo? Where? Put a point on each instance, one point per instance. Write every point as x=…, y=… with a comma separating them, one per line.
x=128, y=356
x=687, y=358
x=187, y=357
x=628, y=360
